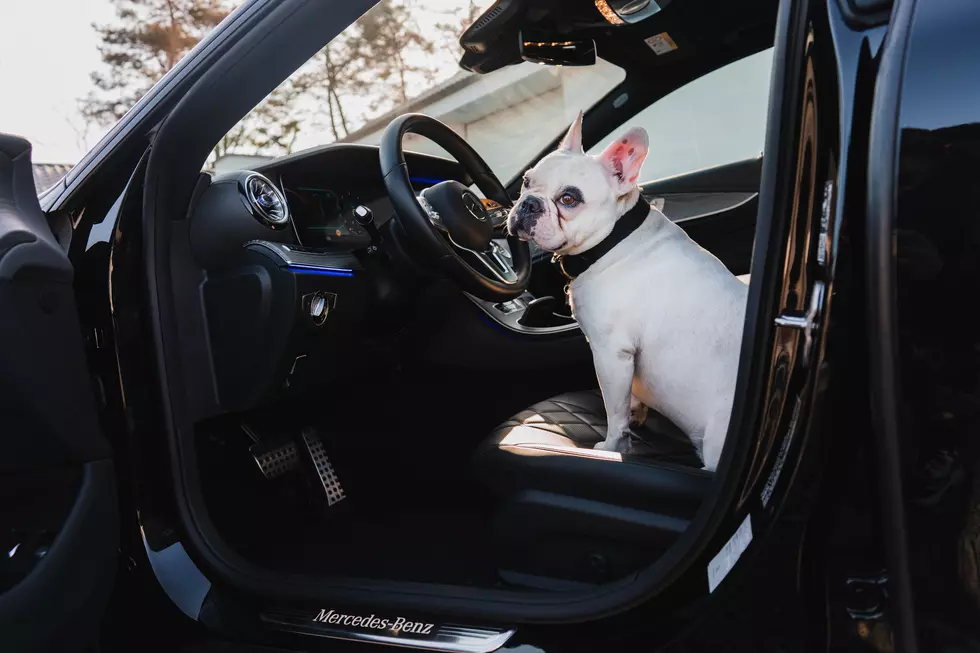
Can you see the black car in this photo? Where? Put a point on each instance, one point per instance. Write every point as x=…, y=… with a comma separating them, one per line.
x=283, y=408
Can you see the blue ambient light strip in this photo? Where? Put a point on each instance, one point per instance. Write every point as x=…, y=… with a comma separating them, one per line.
x=426, y=180
x=327, y=272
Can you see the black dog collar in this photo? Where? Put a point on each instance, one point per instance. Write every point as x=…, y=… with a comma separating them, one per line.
x=572, y=265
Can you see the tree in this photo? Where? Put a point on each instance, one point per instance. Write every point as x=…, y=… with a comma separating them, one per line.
x=380, y=61
x=401, y=59
x=335, y=72
x=148, y=38
x=270, y=128
x=452, y=28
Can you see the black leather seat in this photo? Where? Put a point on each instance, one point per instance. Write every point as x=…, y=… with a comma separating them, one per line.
x=569, y=513
x=549, y=447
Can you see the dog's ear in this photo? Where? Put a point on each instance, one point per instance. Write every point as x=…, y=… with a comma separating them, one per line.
x=573, y=138
x=625, y=156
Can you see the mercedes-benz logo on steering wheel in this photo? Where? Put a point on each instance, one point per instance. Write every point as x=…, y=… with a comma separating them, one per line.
x=475, y=207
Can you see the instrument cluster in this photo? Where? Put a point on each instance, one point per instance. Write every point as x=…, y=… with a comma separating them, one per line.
x=324, y=216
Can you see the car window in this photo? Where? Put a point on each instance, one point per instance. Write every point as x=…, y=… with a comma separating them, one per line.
x=402, y=57
x=716, y=119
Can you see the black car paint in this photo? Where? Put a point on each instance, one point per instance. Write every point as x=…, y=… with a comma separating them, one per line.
x=845, y=65
x=167, y=185
x=621, y=624
x=935, y=173
x=148, y=528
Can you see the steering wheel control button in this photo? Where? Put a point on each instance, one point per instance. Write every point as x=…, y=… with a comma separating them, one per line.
x=432, y=214
x=496, y=213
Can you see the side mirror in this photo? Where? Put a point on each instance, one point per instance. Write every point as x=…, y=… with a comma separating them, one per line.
x=556, y=50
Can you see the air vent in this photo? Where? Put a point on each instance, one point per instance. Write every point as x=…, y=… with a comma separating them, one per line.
x=263, y=200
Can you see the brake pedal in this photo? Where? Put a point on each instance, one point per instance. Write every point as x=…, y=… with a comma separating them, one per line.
x=325, y=474
x=275, y=459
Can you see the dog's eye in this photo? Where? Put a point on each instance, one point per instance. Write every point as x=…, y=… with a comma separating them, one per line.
x=567, y=199
x=527, y=182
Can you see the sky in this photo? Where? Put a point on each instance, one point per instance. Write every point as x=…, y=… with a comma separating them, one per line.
x=46, y=60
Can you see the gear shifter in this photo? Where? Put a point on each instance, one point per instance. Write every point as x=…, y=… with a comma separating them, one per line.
x=540, y=312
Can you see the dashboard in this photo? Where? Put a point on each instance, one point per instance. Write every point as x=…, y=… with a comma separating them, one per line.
x=323, y=187
x=284, y=272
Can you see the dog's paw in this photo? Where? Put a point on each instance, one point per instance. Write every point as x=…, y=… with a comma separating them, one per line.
x=638, y=415
x=638, y=411
x=619, y=445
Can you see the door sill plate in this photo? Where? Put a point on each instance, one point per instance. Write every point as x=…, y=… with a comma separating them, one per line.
x=375, y=628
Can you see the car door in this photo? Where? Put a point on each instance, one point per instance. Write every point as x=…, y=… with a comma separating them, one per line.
x=58, y=492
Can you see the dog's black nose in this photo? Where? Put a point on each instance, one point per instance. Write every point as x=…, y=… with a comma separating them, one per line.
x=526, y=215
x=531, y=205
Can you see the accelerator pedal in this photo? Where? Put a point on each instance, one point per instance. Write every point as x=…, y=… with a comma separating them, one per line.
x=325, y=477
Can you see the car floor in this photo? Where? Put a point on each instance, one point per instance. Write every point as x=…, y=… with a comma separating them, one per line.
x=399, y=520
x=411, y=511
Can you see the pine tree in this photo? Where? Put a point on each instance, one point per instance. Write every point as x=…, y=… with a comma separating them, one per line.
x=382, y=60
x=147, y=39
x=386, y=57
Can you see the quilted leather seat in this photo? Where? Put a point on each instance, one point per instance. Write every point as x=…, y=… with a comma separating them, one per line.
x=549, y=447
x=578, y=421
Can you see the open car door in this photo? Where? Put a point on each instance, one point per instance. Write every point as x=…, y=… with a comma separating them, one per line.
x=58, y=501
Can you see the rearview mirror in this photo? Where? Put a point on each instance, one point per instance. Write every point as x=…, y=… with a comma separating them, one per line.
x=557, y=51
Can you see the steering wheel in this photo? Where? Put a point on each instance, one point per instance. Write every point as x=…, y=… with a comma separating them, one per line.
x=448, y=222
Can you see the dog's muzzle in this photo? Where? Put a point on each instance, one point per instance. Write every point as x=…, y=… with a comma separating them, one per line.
x=525, y=216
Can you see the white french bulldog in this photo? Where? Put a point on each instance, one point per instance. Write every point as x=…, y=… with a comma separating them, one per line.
x=663, y=316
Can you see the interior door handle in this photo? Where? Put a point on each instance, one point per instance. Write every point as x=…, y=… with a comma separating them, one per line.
x=807, y=322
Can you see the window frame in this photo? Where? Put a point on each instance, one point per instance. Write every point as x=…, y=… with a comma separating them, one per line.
x=642, y=88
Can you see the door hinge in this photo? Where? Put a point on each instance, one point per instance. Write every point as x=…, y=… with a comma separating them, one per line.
x=807, y=322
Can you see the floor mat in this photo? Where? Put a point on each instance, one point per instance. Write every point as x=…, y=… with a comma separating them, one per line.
x=397, y=522
x=417, y=545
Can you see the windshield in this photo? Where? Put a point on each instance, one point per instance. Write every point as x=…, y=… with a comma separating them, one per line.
x=401, y=57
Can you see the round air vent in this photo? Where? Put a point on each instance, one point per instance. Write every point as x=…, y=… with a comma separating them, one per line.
x=263, y=200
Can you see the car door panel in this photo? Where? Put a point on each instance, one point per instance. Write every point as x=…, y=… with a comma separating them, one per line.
x=717, y=208
x=739, y=176
x=60, y=522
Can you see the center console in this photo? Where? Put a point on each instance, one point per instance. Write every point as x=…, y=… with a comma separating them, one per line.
x=529, y=314
x=542, y=309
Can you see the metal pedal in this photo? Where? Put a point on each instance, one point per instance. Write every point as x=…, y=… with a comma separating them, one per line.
x=324, y=469
x=276, y=458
